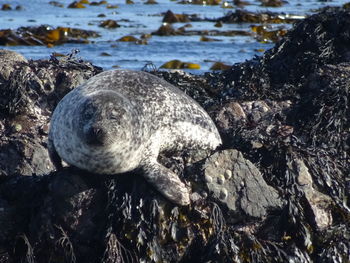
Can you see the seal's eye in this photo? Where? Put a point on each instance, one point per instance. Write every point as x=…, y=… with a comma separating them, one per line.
x=88, y=114
x=114, y=115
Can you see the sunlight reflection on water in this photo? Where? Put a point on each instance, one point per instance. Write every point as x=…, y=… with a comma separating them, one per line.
x=138, y=19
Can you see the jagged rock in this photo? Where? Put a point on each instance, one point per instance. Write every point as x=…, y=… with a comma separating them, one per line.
x=286, y=112
x=10, y=60
x=24, y=155
x=235, y=182
x=30, y=91
x=320, y=203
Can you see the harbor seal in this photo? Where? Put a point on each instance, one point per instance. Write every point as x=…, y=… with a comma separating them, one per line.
x=120, y=120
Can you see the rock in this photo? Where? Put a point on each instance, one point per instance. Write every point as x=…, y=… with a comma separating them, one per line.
x=109, y=23
x=6, y=221
x=258, y=117
x=319, y=203
x=243, y=16
x=286, y=112
x=10, y=61
x=76, y=4
x=44, y=35
x=165, y=30
x=272, y=3
x=170, y=17
x=220, y=66
x=237, y=184
x=24, y=156
x=30, y=91
x=6, y=7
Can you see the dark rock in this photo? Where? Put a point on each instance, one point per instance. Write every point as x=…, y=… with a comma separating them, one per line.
x=44, y=35
x=318, y=202
x=243, y=16
x=286, y=112
x=10, y=61
x=170, y=17
x=109, y=23
x=272, y=3
x=165, y=30
x=55, y=3
x=6, y=7
x=30, y=92
x=237, y=183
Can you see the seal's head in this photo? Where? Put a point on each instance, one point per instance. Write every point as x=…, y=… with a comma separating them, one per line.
x=105, y=120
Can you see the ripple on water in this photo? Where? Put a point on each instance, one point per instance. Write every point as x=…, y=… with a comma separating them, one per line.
x=138, y=19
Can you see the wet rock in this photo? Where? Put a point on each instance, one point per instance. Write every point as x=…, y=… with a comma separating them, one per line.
x=170, y=17
x=220, y=66
x=209, y=39
x=265, y=35
x=10, y=61
x=45, y=35
x=109, y=24
x=169, y=30
x=200, y=2
x=165, y=30
x=272, y=3
x=25, y=156
x=76, y=4
x=30, y=92
x=237, y=183
x=55, y=3
x=6, y=215
x=241, y=3
x=243, y=16
x=177, y=64
x=151, y=2
x=98, y=3
x=260, y=114
x=109, y=6
x=319, y=203
x=218, y=24
x=226, y=5
x=133, y=39
x=105, y=54
x=6, y=7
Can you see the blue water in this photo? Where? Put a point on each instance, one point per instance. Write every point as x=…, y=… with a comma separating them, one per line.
x=138, y=19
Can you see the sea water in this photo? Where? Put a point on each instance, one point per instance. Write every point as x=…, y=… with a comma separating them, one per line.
x=140, y=18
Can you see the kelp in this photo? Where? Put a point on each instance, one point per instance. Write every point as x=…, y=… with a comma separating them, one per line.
x=45, y=35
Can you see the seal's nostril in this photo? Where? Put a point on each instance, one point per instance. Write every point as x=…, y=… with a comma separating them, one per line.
x=95, y=136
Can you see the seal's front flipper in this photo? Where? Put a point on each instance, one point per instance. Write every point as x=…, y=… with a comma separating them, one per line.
x=167, y=183
x=55, y=158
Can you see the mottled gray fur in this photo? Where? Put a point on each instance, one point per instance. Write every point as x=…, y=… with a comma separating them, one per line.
x=120, y=120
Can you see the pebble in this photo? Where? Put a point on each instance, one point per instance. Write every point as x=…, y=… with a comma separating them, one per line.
x=228, y=174
x=223, y=194
x=221, y=179
x=208, y=179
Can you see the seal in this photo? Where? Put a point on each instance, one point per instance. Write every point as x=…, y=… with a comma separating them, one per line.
x=120, y=120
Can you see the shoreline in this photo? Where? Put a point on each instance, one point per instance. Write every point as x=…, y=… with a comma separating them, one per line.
x=284, y=162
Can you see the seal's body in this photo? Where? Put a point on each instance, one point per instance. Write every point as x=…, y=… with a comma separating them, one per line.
x=120, y=120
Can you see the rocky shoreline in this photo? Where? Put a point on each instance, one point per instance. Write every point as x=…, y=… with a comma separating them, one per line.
x=277, y=190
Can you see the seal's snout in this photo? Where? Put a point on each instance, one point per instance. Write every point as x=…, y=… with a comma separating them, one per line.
x=95, y=136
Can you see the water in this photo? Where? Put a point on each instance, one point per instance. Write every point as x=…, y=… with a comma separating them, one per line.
x=138, y=19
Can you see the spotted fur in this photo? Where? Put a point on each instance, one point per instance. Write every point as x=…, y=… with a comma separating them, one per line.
x=120, y=120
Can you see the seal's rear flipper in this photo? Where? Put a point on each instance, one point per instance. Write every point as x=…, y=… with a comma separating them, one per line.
x=167, y=183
